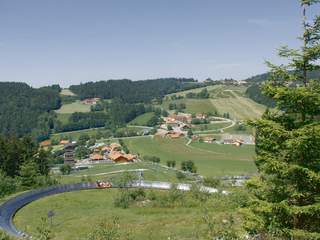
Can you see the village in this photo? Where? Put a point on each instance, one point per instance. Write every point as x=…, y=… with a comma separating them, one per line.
x=174, y=126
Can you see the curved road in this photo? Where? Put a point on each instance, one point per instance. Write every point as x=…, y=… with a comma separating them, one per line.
x=11, y=207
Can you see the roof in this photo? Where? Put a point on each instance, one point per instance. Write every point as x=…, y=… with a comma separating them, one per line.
x=115, y=155
x=96, y=157
x=64, y=142
x=45, y=143
x=106, y=148
x=130, y=157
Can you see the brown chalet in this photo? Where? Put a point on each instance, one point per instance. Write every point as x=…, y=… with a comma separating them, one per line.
x=91, y=101
x=118, y=157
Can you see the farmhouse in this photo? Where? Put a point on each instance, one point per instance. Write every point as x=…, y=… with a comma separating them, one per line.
x=169, y=120
x=181, y=117
x=91, y=101
x=118, y=157
x=201, y=116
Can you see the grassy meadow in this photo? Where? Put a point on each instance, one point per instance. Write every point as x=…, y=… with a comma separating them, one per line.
x=78, y=213
x=142, y=120
x=76, y=106
x=210, y=159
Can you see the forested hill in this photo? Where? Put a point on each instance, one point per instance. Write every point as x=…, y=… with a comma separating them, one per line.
x=254, y=91
x=23, y=108
x=133, y=91
x=263, y=77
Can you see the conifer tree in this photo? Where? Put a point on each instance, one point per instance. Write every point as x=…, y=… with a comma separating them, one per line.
x=285, y=198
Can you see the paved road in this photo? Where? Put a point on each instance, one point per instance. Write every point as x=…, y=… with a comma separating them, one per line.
x=9, y=208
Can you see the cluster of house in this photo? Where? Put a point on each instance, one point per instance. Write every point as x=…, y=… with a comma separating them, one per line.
x=169, y=134
x=178, y=117
x=100, y=153
x=90, y=101
x=179, y=124
x=111, y=153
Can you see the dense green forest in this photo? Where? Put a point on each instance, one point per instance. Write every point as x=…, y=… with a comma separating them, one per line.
x=133, y=91
x=22, y=165
x=254, y=90
x=24, y=109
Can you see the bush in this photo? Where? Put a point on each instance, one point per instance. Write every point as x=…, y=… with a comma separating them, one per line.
x=153, y=159
x=188, y=166
x=211, y=182
x=171, y=163
x=138, y=194
x=123, y=199
x=65, y=169
x=126, y=197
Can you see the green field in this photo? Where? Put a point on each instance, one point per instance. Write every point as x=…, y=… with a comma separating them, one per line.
x=238, y=107
x=142, y=120
x=78, y=213
x=67, y=92
x=210, y=159
x=193, y=105
x=76, y=106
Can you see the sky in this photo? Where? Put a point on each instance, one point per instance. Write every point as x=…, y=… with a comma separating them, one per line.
x=44, y=42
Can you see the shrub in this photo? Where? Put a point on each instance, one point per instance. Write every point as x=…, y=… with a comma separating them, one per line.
x=188, y=166
x=211, y=182
x=180, y=175
x=126, y=197
x=65, y=169
x=171, y=163
x=153, y=159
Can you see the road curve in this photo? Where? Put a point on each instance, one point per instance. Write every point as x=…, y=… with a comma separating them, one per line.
x=11, y=207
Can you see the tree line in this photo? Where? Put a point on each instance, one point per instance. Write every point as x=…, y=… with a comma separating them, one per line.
x=143, y=91
x=23, y=165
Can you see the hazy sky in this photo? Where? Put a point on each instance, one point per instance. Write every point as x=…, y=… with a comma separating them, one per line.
x=71, y=41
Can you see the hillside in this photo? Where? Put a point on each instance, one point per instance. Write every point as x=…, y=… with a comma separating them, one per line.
x=22, y=106
x=133, y=91
x=254, y=90
x=219, y=99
